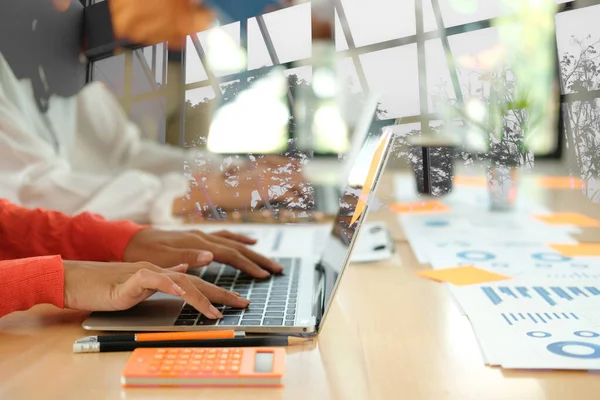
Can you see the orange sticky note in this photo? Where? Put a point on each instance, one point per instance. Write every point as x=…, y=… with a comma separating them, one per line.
x=568, y=218
x=419, y=207
x=361, y=205
x=577, y=250
x=462, y=276
x=560, y=182
x=470, y=181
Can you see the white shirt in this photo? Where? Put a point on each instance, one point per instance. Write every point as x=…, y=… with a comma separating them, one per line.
x=84, y=154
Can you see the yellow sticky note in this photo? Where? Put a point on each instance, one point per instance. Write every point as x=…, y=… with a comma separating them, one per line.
x=568, y=218
x=419, y=207
x=462, y=276
x=470, y=181
x=560, y=182
x=577, y=250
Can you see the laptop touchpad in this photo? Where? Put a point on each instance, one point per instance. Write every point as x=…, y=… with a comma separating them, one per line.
x=158, y=310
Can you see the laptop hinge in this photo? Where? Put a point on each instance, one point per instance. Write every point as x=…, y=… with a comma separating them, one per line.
x=321, y=289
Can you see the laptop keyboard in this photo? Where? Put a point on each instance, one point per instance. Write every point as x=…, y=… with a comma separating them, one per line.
x=273, y=300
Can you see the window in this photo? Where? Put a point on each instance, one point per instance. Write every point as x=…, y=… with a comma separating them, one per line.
x=416, y=53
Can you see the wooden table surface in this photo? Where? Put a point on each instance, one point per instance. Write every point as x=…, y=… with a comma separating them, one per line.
x=390, y=335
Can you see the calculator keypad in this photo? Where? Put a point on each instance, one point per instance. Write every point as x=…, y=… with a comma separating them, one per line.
x=196, y=361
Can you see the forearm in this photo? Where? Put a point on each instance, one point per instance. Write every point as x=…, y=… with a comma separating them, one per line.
x=31, y=281
x=33, y=233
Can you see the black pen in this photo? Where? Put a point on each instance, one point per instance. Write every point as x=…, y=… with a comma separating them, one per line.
x=161, y=336
x=103, y=347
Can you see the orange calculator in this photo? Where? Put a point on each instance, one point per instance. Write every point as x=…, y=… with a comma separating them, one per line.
x=198, y=367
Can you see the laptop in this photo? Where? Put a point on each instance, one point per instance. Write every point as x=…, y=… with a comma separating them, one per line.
x=296, y=301
x=326, y=195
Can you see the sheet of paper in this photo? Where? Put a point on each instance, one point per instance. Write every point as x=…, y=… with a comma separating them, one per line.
x=515, y=258
x=462, y=276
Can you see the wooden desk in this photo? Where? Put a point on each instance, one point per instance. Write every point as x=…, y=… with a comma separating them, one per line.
x=390, y=335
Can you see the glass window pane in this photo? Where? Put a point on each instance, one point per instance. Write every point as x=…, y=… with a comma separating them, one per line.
x=429, y=22
x=258, y=53
x=143, y=76
x=394, y=74
x=578, y=40
x=290, y=31
x=439, y=81
x=379, y=20
x=222, y=49
x=194, y=69
x=150, y=116
x=459, y=12
x=583, y=140
x=111, y=71
x=340, y=39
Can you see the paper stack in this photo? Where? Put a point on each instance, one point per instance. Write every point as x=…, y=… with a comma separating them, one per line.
x=540, y=308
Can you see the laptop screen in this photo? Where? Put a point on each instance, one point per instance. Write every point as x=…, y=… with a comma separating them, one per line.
x=353, y=208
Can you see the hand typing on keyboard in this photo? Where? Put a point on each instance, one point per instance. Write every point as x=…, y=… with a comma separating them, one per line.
x=198, y=249
x=93, y=286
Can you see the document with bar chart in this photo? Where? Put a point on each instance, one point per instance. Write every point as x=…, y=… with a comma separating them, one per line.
x=536, y=322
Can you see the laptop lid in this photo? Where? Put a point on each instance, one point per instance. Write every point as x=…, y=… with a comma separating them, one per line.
x=361, y=130
x=346, y=226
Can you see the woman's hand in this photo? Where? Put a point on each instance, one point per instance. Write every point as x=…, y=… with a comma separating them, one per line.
x=252, y=184
x=120, y=286
x=197, y=249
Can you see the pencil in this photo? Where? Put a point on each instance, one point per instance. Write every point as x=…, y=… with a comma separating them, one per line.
x=104, y=347
x=155, y=337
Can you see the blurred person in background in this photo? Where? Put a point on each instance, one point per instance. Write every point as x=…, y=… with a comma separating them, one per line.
x=82, y=152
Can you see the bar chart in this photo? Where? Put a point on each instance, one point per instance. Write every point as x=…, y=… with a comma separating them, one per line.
x=552, y=295
x=514, y=318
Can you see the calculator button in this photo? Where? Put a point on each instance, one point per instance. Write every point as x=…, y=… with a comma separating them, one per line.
x=222, y=368
x=158, y=356
x=187, y=351
x=211, y=356
x=225, y=351
x=160, y=351
x=235, y=362
x=196, y=362
x=197, y=356
x=194, y=368
x=235, y=368
x=182, y=362
x=273, y=321
x=289, y=323
x=212, y=351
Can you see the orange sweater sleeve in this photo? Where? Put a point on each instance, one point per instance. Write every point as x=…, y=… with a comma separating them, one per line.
x=31, y=233
x=30, y=281
x=33, y=244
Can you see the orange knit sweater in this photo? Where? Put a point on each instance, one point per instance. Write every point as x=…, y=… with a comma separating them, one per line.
x=33, y=244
